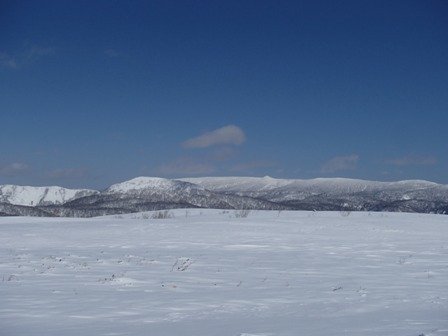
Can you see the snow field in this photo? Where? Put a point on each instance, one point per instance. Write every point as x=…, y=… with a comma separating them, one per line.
x=208, y=272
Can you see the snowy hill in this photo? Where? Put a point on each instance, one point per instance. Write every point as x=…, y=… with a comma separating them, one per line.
x=336, y=193
x=149, y=193
x=267, y=185
x=237, y=184
x=38, y=196
x=150, y=185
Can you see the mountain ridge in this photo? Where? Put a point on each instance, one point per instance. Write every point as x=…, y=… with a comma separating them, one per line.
x=267, y=193
x=36, y=196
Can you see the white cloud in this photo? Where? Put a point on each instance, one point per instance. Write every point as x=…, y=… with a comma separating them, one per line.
x=253, y=165
x=8, y=61
x=12, y=169
x=222, y=154
x=39, y=51
x=69, y=173
x=186, y=166
x=34, y=53
x=26, y=57
x=227, y=135
x=340, y=163
x=113, y=53
x=413, y=161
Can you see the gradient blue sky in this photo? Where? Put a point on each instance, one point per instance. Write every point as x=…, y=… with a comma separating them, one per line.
x=97, y=92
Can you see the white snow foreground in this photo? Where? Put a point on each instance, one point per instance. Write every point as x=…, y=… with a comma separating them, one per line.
x=211, y=272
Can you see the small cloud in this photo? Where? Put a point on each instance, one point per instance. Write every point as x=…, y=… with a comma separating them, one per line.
x=7, y=61
x=251, y=165
x=112, y=53
x=26, y=57
x=227, y=135
x=12, y=169
x=340, y=163
x=186, y=166
x=35, y=52
x=39, y=51
x=412, y=161
x=223, y=154
x=66, y=174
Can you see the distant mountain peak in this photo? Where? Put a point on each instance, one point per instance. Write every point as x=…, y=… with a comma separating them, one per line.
x=143, y=183
x=35, y=196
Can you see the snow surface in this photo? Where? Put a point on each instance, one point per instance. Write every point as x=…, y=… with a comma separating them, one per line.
x=211, y=272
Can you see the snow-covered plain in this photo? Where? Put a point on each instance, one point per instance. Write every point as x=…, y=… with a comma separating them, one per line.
x=211, y=272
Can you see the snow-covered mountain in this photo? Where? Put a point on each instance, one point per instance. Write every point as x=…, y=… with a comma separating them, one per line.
x=144, y=186
x=152, y=193
x=335, y=193
x=268, y=186
x=40, y=196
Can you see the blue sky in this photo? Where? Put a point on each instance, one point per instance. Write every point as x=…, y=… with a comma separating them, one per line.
x=97, y=92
